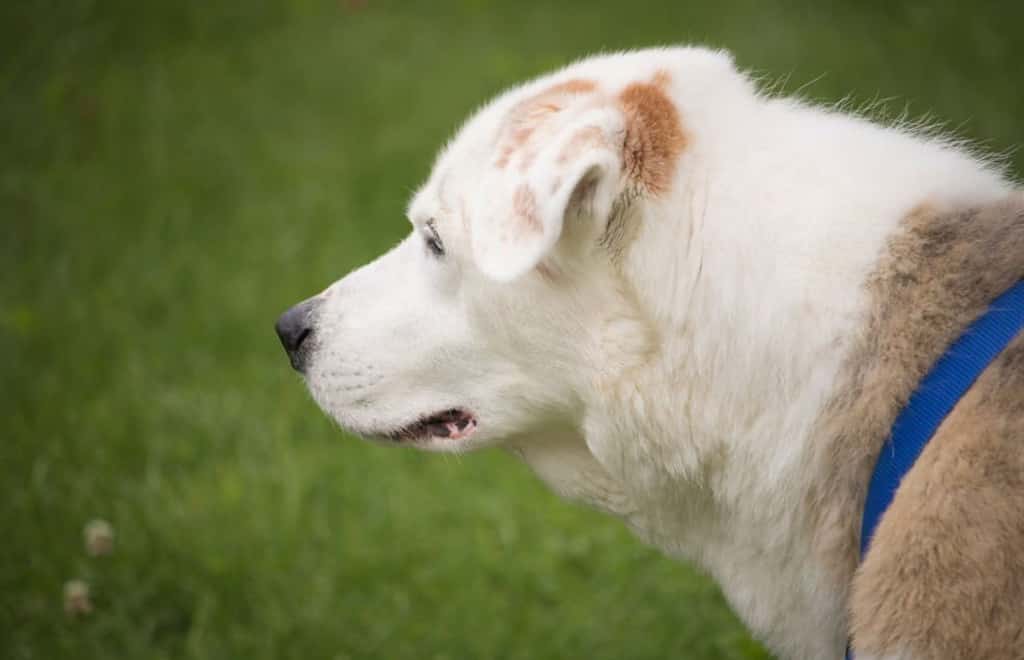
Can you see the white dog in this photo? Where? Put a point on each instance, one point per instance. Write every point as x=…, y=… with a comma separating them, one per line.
x=700, y=308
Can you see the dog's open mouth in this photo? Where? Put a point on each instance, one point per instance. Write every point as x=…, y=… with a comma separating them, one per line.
x=453, y=424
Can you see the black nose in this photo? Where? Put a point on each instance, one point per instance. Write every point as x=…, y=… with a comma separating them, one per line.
x=295, y=328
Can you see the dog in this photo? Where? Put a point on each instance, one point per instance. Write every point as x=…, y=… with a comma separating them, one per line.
x=699, y=307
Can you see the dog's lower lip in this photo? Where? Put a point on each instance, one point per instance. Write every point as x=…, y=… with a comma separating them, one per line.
x=454, y=423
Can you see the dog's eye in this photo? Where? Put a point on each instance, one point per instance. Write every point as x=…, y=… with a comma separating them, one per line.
x=433, y=240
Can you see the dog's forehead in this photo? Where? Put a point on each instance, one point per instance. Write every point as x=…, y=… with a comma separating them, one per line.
x=456, y=173
x=438, y=200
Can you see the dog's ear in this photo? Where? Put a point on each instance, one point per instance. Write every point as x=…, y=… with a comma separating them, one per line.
x=578, y=170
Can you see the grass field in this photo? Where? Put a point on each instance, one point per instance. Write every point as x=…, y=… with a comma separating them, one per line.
x=174, y=174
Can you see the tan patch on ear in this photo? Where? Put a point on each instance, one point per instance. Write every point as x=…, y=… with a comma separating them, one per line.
x=654, y=135
x=524, y=210
x=526, y=116
x=938, y=273
x=589, y=137
x=662, y=79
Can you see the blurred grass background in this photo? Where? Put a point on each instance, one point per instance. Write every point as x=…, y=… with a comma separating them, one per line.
x=174, y=174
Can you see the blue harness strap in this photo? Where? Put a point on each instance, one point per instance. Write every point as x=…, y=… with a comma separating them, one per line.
x=935, y=397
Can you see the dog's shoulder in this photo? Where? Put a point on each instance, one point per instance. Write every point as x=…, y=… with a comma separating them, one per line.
x=944, y=576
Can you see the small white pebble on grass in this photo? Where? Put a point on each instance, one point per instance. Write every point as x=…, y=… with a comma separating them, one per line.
x=77, y=600
x=99, y=538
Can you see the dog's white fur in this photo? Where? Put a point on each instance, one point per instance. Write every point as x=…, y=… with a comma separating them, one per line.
x=676, y=383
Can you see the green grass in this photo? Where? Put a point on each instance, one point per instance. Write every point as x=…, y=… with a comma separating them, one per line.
x=174, y=174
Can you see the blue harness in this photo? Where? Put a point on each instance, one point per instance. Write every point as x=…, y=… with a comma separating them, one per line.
x=935, y=397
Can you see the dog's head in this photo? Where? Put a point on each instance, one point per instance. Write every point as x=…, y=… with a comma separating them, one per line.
x=481, y=324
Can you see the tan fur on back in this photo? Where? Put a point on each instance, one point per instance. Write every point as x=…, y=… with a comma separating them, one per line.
x=937, y=276
x=945, y=574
